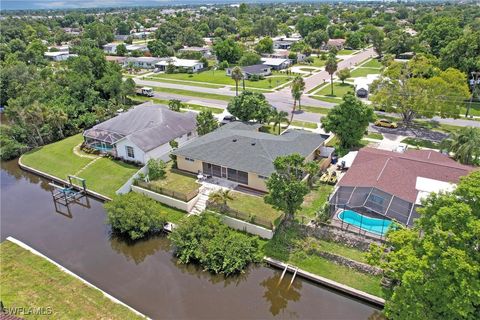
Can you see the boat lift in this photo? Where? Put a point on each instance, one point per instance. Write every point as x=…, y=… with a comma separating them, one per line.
x=294, y=269
x=69, y=192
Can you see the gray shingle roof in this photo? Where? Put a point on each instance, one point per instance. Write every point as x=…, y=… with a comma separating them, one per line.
x=239, y=146
x=147, y=125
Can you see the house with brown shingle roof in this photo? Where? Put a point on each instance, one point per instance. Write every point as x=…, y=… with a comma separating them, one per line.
x=393, y=184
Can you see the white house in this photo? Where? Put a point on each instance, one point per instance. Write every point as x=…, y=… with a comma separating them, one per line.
x=189, y=64
x=142, y=62
x=110, y=48
x=276, y=63
x=142, y=133
x=58, y=55
x=136, y=47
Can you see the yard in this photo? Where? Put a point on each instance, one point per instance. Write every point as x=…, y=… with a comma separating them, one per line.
x=373, y=63
x=176, y=181
x=339, y=90
x=313, y=202
x=29, y=281
x=189, y=93
x=346, y=52
x=102, y=175
x=363, y=72
x=220, y=77
x=254, y=206
x=291, y=246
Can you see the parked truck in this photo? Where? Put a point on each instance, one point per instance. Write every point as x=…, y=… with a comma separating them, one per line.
x=145, y=91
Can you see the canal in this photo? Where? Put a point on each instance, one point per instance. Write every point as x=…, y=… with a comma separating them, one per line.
x=145, y=275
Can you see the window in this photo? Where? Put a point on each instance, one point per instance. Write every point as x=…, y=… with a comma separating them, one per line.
x=130, y=152
x=262, y=177
x=376, y=199
x=190, y=159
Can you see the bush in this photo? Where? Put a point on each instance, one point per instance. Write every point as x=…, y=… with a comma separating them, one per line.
x=134, y=215
x=156, y=169
x=206, y=240
x=223, y=65
x=9, y=147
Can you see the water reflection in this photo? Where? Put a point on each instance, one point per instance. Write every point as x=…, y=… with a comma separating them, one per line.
x=12, y=169
x=279, y=292
x=138, y=250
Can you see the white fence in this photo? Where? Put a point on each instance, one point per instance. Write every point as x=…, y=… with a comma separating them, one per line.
x=169, y=201
x=247, y=227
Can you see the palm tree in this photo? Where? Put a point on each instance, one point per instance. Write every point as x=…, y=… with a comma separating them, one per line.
x=237, y=75
x=331, y=67
x=465, y=145
x=221, y=198
x=277, y=118
x=297, y=87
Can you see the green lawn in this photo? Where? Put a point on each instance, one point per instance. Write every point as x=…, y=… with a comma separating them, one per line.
x=314, y=201
x=191, y=83
x=220, y=77
x=421, y=143
x=304, y=124
x=290, y=246
x=474, y=109
x=319, y=110
x=327, y=99
x=363, y=72
x=29, y=281
x=189, y=93
x=374, y=135
x=190, y=106
x=254, y=205
x=240, y=89
x=339, y=90
x=176, y=181
x=104, y=175
x=346, y=52
x=373, y=63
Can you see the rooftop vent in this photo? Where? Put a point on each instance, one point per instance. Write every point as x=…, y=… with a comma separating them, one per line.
x=234, y=140
x=253, y=143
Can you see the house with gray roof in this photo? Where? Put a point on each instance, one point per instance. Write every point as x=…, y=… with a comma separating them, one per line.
x=239, y=152
x=261, y=70
x=142, y=133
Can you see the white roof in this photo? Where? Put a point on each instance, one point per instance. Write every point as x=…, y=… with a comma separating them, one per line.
x=426, y=186
x=274, y=61
x=348, y=158
x=132, y=47
x=365, y=82
x=55, y=53
x=186, y=63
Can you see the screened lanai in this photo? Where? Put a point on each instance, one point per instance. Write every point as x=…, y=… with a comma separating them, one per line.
x=371, y=199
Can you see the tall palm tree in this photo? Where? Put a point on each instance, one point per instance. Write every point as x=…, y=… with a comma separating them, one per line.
x=277, y=118
x=331, y=67
x=237, y=75
x=221, y=198
x=465, y=145
x=297, y=87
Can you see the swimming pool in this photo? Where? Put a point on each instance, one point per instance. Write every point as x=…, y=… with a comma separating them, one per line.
x=373, y=225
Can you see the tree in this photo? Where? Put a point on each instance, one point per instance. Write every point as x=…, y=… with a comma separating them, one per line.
x=296, y=88
x=343, y=74
x=175, y=105
x=418, y=88
x=317, y=38
x=348, y=120
x=354, y=40
x=250, y=106
x=331, y=66
x=218, y=249
x=465, y=145
x=221, y=197
x=307, y=24
x=121, y=49
x=440, y=32
x=265, y=26
x=34, y=52
x=135, y=215
x=278, y=117
x=377, y=38
x=399, y=42
x=159, y=49
x=227, y=50
x=286, y=189
x=265, y=45
x=99, y=32
x=123, y=28
x=128, y=88
x=206, y=122
x=462, y=53
x=237, y=75
x=190, y=37
x=436, y=263
x=311, y=168
x=249, y=58
x=156, y=169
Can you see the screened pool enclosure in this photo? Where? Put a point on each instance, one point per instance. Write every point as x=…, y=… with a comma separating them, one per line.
x=373, y=200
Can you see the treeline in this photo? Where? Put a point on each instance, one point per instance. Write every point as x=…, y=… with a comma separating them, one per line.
x=44, y=102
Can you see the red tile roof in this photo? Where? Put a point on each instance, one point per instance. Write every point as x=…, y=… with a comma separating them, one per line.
x=396, y=173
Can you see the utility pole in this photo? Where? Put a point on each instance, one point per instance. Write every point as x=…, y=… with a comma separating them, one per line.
x=475, y=84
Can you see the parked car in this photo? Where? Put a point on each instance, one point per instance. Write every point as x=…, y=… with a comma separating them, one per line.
x=227, y=119
x=386, y=123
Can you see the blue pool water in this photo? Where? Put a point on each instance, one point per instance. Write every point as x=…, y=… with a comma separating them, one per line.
x=373, y=225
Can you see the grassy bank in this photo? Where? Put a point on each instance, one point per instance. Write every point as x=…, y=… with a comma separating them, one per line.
x=103, y=175
x=198, y=94
x=290, y=246
x=28, y=281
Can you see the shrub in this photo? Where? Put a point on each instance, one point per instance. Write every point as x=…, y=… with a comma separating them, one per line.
x=223, y=65
x=206, y=240
x=134, y=215
x=156, y=169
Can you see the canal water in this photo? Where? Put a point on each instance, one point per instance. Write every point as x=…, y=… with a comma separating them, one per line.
x=145, y=275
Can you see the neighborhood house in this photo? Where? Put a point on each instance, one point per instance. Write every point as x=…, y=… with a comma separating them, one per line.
x=186, y=64
x=260, y=70
x=393, y=184
x=276, y=63
x=142, y=133
x=142, y=62
x=240, y=153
